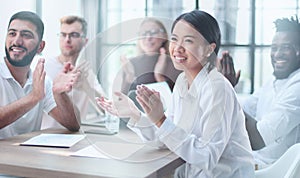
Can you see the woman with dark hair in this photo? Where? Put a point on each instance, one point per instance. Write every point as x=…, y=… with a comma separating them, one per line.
x=205, y=125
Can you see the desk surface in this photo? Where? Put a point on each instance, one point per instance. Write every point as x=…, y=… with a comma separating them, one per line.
x=30, y=161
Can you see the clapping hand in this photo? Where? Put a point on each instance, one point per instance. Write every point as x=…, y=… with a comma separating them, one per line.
x=151, y=104
x=226, y=67
x=39, y=80
x=121, y=106
x=66, y=79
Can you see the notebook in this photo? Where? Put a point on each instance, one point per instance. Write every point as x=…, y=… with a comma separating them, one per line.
x=54, y=140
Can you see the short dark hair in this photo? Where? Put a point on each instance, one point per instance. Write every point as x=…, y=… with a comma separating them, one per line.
x=72, y=18
x=286, y=24
x=31, y=17
x=289, y=25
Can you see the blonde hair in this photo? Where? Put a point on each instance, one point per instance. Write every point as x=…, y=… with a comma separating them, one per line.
x=162, y=27
x=71, y=19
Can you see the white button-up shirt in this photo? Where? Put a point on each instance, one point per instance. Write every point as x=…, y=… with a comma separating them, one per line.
x=205, y=126
x=276, y=107
x=10, y=91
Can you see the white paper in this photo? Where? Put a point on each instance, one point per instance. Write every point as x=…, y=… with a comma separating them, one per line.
x=89, y=151
x=109, y=150
x=54, y=140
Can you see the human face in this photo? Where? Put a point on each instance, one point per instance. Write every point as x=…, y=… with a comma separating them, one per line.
x=188, y=48
x=152, y=37
x=284, y=54
x=71, y=39
x=22, y=43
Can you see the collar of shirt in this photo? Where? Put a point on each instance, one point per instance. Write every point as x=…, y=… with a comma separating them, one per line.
x=195, y=86
x=5, y=73
x=279, y=83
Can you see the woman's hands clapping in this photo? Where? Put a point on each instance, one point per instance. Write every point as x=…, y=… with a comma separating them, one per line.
x=121, y=106
x=151, y=103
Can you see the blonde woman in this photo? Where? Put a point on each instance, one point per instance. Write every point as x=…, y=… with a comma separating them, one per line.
x=152, y=64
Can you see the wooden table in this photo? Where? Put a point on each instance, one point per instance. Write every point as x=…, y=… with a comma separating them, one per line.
x=32, y=161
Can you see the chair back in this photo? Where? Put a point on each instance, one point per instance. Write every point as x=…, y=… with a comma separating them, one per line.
x=287, y=166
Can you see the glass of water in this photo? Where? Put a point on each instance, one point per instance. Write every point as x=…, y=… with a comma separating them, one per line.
x=112, y=123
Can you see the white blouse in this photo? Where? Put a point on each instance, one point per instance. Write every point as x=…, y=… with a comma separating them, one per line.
x=205, y=126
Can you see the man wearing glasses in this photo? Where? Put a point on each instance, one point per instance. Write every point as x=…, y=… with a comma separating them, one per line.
x=72, y=38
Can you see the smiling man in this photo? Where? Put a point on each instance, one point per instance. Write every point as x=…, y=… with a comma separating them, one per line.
x=25, y=94
x=285, y=49
x=272, y=112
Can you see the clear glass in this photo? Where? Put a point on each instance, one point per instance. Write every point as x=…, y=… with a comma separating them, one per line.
x=112, y=123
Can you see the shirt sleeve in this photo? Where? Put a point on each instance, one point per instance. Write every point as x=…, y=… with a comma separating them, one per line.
x=146, y=130
x=250, y=103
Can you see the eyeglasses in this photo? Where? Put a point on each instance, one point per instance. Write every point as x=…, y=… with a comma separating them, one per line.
x=153, y=32
x=72, y=35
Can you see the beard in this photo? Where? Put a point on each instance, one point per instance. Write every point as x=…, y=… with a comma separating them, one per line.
x=280, y=75
x=283, y=74
x=23, y=62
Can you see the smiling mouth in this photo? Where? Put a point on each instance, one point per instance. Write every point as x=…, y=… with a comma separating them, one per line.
x=17, y=49
x=180, y=59
x=280, y=62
